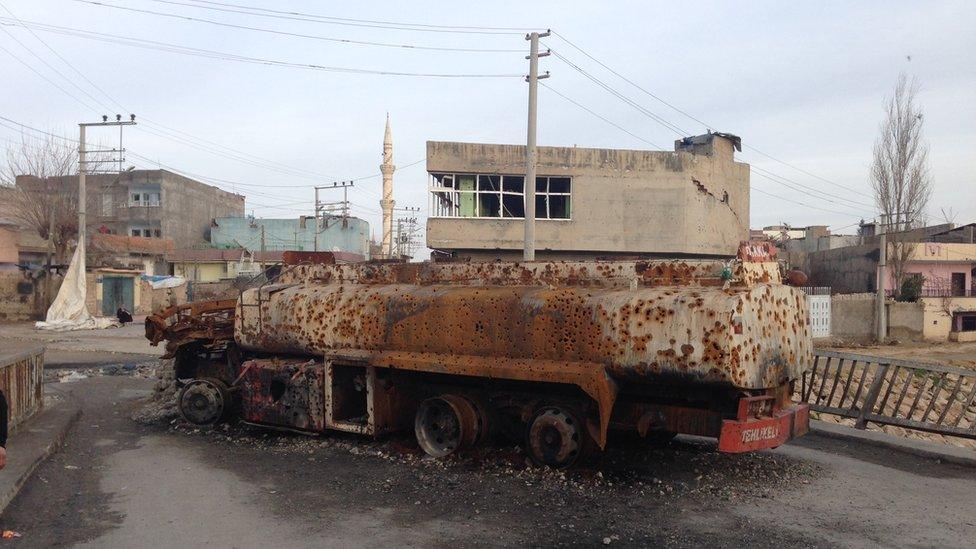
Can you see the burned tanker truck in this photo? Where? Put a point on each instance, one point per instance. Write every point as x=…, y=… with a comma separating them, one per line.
x=559, y=355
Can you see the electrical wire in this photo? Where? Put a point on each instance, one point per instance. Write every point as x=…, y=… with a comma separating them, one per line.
x=594, y=113
x=794, y=185
x=291, y=171
x=299, y=16
x=301, y=35
x=212, y=54
x=643, y=110
x=706, y=125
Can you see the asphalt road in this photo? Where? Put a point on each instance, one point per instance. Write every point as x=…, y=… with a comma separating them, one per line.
x=117, y=483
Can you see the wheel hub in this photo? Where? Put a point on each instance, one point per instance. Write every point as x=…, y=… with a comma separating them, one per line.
x=203, y=402
x=447, y=423
x=555, y=437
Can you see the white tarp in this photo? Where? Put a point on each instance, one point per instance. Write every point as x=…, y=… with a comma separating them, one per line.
x=159, y=282
x=68, y=311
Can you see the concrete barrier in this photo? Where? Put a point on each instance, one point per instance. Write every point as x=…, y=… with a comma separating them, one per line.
x=21, y=380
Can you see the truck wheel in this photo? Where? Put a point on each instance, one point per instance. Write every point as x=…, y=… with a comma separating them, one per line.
x=204, y=401
x=557, y=438
x=447, y=423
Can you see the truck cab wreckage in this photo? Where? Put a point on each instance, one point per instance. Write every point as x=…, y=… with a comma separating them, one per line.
x=559, y=354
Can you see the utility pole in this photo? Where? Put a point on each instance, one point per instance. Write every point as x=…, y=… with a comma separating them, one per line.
x=406, y=229
x=528, y=251
x=329, y=208
x=881, y=324
x=83, y=167
x=263, y=247
x=50, y=252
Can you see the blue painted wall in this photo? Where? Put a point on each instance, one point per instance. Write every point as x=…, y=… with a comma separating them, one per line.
x=291, y=234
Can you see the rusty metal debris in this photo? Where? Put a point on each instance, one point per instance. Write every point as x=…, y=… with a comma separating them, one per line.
x=653, y=346
x=208, y=322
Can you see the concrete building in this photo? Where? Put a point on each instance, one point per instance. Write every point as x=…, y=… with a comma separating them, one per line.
x=341, y=234
x=210, y=264
x=149, y=203
x=782, y=233
x=9, y=253
x=589, y=202
x=944, y=256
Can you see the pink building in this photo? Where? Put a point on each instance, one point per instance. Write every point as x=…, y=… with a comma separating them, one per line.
x=946, y=268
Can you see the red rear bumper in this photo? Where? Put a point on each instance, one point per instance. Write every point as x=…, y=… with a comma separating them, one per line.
x=746, y=435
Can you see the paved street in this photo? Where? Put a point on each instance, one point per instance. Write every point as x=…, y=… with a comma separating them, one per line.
x=82, y=349
x=117, y=483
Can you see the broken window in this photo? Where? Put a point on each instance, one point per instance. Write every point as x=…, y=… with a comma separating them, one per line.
x=492, y=196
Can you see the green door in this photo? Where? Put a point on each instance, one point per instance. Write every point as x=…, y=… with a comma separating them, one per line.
x=117, y=291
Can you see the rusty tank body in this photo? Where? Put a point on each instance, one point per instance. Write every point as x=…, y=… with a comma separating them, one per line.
x=563, y=351
x=639, y=320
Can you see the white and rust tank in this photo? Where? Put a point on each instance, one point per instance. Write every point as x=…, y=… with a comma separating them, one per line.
x=730, y=322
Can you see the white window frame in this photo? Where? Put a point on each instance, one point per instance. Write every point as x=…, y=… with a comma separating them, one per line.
x=446, y=199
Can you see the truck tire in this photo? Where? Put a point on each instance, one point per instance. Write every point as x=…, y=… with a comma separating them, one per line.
x=557, y=437
x=204, y=401
x=447, y=423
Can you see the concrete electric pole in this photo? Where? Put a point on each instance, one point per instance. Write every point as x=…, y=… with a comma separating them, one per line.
x=528, y=251
x=881, y=323
x=324, y=208
x=83, y=167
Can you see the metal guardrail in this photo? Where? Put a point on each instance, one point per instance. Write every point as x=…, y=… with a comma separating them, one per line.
x=914, y=395
x=21, y=377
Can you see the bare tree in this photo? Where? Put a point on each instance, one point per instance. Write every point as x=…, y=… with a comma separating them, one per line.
x=900, y=174
x=43, y=193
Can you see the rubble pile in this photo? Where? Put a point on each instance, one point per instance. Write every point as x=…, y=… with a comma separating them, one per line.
x=160, y=407
x=686, y=467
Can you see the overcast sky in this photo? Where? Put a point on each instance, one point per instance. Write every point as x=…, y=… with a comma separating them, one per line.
x=803, y=83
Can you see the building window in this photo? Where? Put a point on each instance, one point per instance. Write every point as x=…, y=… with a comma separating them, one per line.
x=493, y=196
x=157, y=233
x=136, y=232
x=143, y=199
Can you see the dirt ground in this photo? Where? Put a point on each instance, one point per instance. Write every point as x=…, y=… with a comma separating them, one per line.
x=962, y=355
x=120, y=483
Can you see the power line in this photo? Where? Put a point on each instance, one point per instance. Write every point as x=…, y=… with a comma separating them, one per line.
x=796, y=186
x=299, y=35
x=707, y=126
x=594, y=113
x=790, y=184
x=643, y=110
x=113, y=100
x=186, y=173
x=677, y=130
x=299, y=16
x=801, y=203
x=49, y=81
x=212, y=54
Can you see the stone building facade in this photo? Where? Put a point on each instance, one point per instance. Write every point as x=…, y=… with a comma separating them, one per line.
x=149, y=203
x=693, y=201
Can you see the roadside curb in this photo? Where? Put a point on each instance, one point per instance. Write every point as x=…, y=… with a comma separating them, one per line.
x=948, y=454
x=33, y=442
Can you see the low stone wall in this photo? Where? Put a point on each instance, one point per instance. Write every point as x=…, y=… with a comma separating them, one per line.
x=852, y=317
x=161, y=298
x=22, y=297
x=906, y=321
x=21, y=378
x=211, y=291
